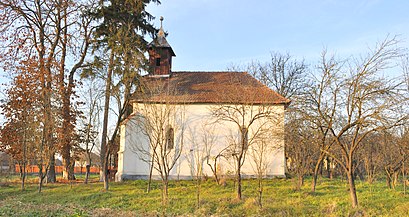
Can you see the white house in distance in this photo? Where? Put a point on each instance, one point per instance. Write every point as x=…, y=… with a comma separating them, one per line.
x=184, y=121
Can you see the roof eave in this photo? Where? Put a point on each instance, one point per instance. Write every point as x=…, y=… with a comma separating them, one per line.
x=208, y=102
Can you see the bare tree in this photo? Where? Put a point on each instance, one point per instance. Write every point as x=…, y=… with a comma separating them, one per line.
x=366, y=103
x=196, y=157
x=213, y=155
x=288, y=77
x=394, y=151
x=249, y=118
x=322, y=101
x=301, y=149
x=404, y=137
x=89, y=132
x=260, y=152
x=161, y=126
x=75, y=38
x=404, y=141
x=372, y=156
x=405, y=70
x=283, y=74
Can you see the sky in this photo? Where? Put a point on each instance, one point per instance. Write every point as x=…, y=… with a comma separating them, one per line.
x=211, y=35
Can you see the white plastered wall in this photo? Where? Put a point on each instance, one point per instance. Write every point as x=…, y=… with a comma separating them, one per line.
x=131, y=161
x=198, y=122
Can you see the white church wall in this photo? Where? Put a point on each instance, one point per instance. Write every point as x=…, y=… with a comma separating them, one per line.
x=224, y=132
x=132, y=163
x=199, y=123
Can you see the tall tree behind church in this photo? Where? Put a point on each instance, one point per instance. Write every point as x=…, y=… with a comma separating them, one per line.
x=123, y=26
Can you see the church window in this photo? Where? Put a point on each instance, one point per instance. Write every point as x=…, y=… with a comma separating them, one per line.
x=170, y=138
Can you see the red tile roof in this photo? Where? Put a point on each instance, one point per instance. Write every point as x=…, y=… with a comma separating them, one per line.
x=207, y=87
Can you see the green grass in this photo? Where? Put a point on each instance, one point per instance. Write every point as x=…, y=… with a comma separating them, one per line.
x=130, y=199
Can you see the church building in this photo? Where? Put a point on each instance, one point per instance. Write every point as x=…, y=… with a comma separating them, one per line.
x=189, y=124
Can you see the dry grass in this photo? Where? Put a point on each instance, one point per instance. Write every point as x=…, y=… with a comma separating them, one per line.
x=130, y=199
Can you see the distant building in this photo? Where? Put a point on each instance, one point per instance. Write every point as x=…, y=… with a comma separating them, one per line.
x=195, y=96
x=82, y=159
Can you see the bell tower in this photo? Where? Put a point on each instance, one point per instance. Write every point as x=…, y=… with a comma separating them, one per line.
x=160, y=54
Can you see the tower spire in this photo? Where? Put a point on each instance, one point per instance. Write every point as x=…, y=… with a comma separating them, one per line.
x=160, y=54
x=161, y=32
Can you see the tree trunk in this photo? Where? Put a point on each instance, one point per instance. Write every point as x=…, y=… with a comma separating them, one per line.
x=88, y=165
x=23, y=181
x=106, y=169
x=359, y=173
x=104, y=148
x=321, y=168
x=395, y=179
x=23, y=172
x=106, y=178
x=67, y=130
x=300, y=181
x=328, y=168
x=51, y=177
x=331, y=175
x=198, y=183
x=214, y=169
x=388, y=179
x=150, y=177
x=388, y=182
x=66, y=167
x=369, y=177
x=23, y=176
x=352, y=189
x=71, y=171
x=238, y=181
x=40, y=179
x=87, y=172
x=40, y=185
x=165, y=185
x=404, y=177
x=260, y=191
x=315, y=175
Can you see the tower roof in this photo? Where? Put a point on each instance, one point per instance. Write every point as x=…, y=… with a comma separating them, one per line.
x=160, y=40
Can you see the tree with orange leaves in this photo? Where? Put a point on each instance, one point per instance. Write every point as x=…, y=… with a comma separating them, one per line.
x=20, y=135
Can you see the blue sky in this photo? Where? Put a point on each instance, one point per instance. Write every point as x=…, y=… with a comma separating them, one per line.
x=210, y=35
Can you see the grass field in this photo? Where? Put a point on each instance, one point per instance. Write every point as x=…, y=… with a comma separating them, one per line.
x=130, y=199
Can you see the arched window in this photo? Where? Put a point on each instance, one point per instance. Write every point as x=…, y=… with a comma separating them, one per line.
x=170, y=138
